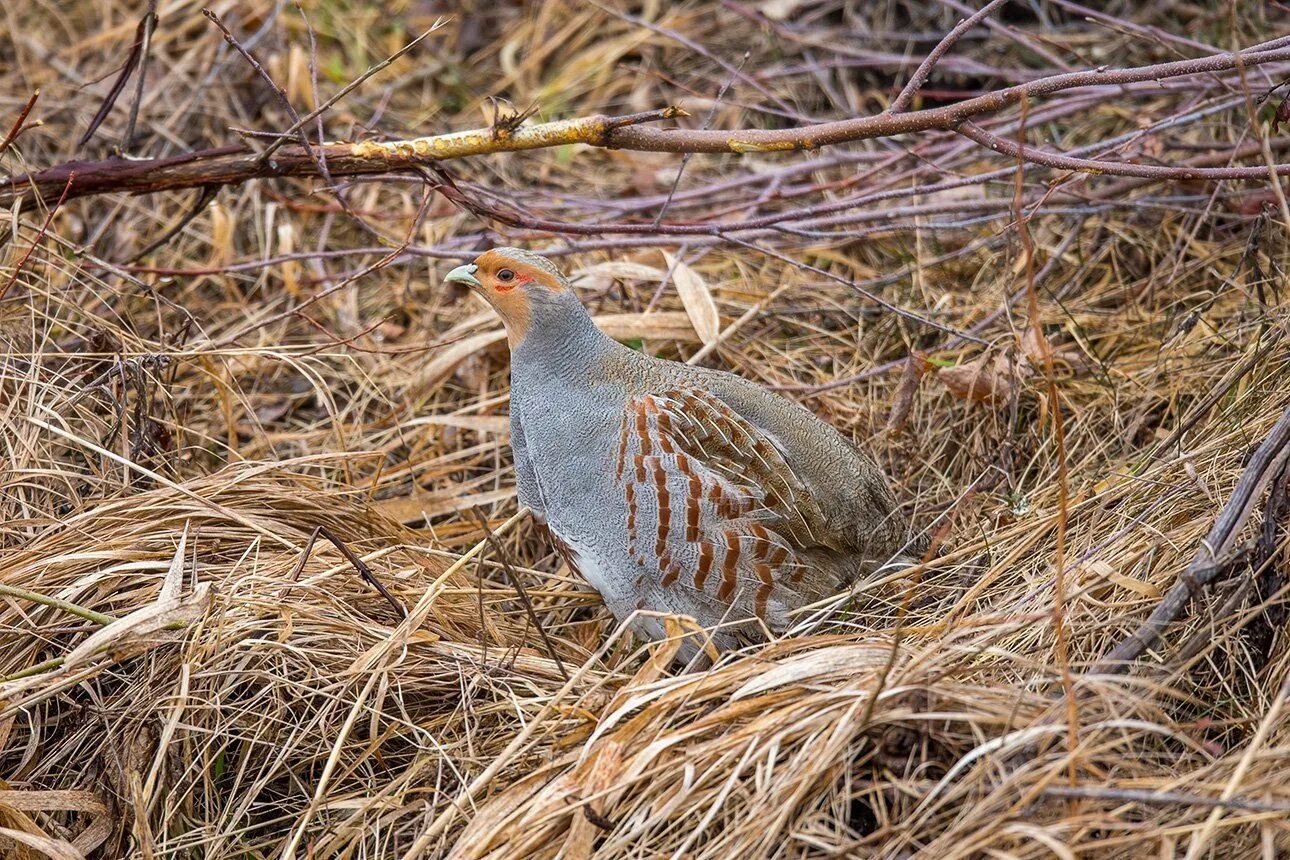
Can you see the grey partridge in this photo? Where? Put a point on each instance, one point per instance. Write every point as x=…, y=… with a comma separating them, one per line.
x=676, y=489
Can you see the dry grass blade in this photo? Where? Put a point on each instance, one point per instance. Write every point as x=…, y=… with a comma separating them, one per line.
x=183, y=675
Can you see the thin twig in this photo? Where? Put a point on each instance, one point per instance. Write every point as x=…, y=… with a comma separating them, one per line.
x=685, y=159
x=318, y=154
x=149, y=25
x=519, y=589
x=18, y=126
x=359, y=565
x=1059, y=161
x=205, y=195
x=142, y=34
x=916, y=81
x=56, y=603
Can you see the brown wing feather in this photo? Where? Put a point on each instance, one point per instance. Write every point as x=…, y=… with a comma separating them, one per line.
x=714, y=505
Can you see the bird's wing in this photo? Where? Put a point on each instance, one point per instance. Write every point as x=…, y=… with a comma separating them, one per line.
x=859, y=516
x=712, y=502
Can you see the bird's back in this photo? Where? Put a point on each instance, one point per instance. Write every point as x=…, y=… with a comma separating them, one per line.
x=844, y=515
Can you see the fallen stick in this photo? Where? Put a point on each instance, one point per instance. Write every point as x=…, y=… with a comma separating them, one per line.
x=1215, y=552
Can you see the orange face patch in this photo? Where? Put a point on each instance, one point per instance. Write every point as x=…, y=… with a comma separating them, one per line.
x=494, y=264
x=507, y=283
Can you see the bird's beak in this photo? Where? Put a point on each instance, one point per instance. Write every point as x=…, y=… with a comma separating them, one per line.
x=465, y=275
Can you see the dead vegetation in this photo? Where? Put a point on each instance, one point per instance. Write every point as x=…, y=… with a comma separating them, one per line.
x=1066, y=374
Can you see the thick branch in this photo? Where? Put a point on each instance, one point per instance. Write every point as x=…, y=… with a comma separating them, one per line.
x=1212, y=556
x=234, y=165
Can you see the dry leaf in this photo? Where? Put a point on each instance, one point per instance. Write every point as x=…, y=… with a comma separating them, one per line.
x=697, y=299
x=988, y=379
x=445, y=361
x=407, y=509
x=602, y=275
x=666, y=325
x=916, y=367
x=1034, y=347
x=171, y=585
x=1099, y=575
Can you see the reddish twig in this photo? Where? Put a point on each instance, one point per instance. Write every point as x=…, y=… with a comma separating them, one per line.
x=916, y=81
x=18, y=126
x=1058, y=161
x=44, y=228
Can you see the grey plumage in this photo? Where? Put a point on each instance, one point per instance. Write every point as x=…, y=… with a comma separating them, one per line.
x=679, y=489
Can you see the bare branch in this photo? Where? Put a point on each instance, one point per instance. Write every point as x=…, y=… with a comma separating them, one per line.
x=1058, y=161
x=916, y=81
x=234, y=165
x=1213, y=555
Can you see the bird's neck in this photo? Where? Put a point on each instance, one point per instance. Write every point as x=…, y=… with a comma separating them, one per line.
x=560, y=342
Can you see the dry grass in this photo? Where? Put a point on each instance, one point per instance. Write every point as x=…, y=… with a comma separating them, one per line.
x=170, y=441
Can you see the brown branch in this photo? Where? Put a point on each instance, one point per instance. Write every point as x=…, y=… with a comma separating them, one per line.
x=916, y=81
x=1215, y=552
x=1059, y=161
x=18, y=126
x=233, y=165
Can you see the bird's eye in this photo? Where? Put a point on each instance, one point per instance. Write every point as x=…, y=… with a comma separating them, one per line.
x=505, y=275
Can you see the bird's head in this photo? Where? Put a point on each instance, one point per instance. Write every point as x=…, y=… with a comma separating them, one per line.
x=520, y=285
